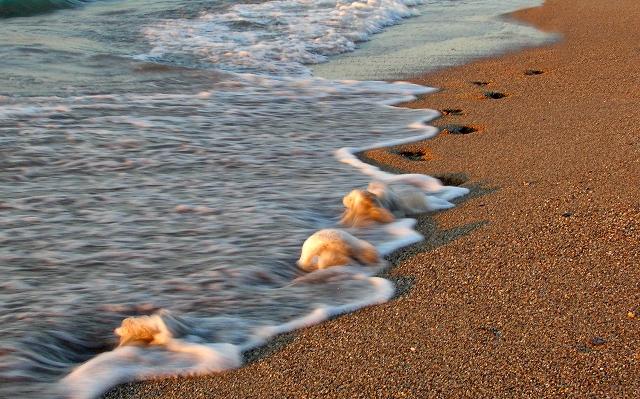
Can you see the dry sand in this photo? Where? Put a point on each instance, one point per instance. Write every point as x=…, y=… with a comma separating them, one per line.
x=531, y=287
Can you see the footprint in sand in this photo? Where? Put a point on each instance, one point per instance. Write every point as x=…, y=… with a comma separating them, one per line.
x=494, y=95
x=458, y=129
x=451, y=111
x=452, y=179
x=533, y=72
x=413, y=155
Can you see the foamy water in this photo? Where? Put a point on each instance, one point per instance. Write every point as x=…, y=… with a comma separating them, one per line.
x=147, y=202
x=185, y=195
x=276, y=37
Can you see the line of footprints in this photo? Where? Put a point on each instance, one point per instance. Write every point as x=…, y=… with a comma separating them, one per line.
x=465, y=129
x=488, y=94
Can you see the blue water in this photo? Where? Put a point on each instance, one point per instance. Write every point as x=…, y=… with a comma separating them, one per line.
x=168, y=159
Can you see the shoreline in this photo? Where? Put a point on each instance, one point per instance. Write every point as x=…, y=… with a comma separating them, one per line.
x=436, y=39
x=533, y=291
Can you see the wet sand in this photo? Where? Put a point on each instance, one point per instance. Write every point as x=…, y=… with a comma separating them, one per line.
x=531, y=286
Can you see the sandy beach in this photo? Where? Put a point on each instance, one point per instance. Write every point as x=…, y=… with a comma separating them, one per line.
x=531, y=286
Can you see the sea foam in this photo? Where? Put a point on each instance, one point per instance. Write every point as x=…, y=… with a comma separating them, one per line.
x=197, y=345
x=276, y=37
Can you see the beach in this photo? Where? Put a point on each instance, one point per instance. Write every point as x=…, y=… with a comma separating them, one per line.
x=530, y=287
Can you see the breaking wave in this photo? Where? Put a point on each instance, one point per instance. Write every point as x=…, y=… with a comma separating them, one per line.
x=275, y=37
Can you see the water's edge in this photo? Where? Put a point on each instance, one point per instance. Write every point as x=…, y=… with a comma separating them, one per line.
x=98, y=375
x=426, y=47
x=405, y=227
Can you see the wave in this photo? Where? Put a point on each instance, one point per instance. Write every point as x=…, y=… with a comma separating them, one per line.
x=158, y=203
x=187, y=346
x=277, y=38
x=26, y=8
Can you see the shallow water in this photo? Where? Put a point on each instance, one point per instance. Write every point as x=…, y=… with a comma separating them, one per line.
x=169, y=158
x=446, y=33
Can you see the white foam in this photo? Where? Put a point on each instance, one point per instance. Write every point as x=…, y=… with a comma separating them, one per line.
x=439, y=195
x=187, y=356
x=198, y=350
x=383, y=291
x=404, y=234
x=277, y=37
x=128, y=363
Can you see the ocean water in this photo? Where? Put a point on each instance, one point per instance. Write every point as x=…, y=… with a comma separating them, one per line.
x=167, y=159
x=445, y=33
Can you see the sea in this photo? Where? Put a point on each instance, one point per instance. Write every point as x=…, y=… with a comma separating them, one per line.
x=166, y=159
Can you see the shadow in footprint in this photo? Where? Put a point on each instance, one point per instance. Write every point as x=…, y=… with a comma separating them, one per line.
x=451, y=111
x=458, y=129
x=533, y=72
x=452, y=179
x=413, y=155
x=494, y=95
